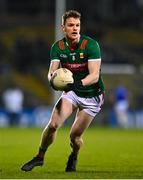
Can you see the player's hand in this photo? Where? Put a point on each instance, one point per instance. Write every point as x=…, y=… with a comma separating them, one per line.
x=74, y=86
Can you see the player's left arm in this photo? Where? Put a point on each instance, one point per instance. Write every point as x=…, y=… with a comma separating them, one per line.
x=94, y=63
x=94, y=71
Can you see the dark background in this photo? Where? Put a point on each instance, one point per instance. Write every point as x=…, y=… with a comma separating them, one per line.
x=27, y=30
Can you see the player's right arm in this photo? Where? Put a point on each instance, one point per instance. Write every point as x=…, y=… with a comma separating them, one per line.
x=55, y=60
x=54, y=65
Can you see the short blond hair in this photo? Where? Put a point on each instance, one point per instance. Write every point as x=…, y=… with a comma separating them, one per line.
x=69, y=14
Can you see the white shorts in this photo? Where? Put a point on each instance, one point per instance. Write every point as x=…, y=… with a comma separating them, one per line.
x=90, y=105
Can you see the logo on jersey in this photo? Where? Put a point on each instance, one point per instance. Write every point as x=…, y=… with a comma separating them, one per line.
x=76, y=67
x=63, y=55
x=81, y=55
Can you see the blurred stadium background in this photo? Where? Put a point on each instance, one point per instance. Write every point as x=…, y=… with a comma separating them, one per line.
x=27, y=30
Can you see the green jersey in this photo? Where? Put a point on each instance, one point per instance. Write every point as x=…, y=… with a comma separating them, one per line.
x=76, y=60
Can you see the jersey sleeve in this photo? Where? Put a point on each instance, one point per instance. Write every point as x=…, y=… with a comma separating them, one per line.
x=54, y=53
x=93, y=50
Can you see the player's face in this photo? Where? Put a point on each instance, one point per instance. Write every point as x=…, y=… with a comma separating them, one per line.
x=72, y=28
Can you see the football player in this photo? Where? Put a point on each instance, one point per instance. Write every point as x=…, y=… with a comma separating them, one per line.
x=81, y=55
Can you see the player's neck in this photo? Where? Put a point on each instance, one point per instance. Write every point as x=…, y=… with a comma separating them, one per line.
x=72, y=44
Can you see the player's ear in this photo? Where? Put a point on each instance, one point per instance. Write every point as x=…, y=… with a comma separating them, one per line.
x=63, y=28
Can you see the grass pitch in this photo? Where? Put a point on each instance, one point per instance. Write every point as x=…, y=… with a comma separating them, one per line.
x=106, y=154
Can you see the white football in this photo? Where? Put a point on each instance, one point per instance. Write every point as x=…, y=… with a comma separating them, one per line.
x=61, y=77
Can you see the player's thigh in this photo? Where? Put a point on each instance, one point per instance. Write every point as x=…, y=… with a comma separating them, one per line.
x=81, y=123
x=61, y=111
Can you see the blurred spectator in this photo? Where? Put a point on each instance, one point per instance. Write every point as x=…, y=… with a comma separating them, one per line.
x=13, y=102
x=121, y=106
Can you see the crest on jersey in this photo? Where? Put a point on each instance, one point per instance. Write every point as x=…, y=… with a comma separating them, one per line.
x=73, y=58
x=81, y=55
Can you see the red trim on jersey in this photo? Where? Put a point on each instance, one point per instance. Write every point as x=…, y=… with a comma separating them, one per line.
x=61, y=45
x=83, y=44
